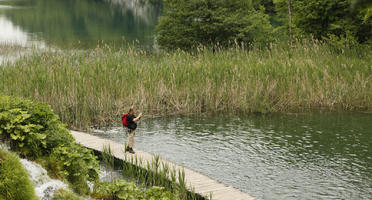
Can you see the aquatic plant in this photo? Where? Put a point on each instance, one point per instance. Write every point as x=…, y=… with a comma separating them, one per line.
x=123, y=190
x=87, y=88
x=155, y=175
x=108, y=160
x=14, y=179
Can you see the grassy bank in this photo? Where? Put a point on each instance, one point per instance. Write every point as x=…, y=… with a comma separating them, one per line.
x=14, y=179
x=95, y=87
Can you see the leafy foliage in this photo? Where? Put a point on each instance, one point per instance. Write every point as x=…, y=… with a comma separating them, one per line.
x=32, y=128
x=189, y=23
x=14, y=179
x=79, y=165
x=123, y=190
x=36, y=132
x=365, y=7
x=335, y=21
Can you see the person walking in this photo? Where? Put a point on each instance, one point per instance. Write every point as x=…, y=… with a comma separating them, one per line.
x=131, y=120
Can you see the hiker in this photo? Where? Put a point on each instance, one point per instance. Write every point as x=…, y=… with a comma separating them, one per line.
x=130, y=121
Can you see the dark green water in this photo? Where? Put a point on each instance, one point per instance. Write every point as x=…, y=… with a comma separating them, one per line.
x=312, y=156
x=78, y=23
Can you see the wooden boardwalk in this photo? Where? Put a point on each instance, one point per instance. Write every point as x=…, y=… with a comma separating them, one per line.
x=201, y=184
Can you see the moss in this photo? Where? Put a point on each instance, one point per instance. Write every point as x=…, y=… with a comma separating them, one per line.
x=14, y=179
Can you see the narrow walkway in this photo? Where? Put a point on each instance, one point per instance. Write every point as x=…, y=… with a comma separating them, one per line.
x=201, y=184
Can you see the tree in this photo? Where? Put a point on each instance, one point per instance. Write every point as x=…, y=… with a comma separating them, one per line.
x=363, y=3
x=365, y=6
x=290, y=20
x=285, y=7
x=331, y=18
x=189, y=23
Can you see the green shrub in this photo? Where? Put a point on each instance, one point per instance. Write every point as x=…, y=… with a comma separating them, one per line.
x=123, y=190
x=156, y=193
x=32, y=128
x=79, y=165
x=14, y=179
x=37, y=133
x=119, y=189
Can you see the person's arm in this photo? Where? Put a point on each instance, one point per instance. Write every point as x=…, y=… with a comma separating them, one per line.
x=137, y=118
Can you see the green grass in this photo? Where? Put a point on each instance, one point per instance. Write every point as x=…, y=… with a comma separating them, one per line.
x=62, y=194
x=14, y=179
x=95, y=87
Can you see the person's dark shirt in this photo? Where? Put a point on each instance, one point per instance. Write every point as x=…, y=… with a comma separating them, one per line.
x=130, y=123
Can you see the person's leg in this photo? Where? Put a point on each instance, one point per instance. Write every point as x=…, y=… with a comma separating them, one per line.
x=131, y=134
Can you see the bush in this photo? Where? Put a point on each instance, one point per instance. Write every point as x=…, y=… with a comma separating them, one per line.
x=37, y=133
x=14, y=179
x=123, y=190
x=32, y=128
x=79, y=165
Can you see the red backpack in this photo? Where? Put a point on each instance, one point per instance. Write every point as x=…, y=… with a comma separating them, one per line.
x=124, y=119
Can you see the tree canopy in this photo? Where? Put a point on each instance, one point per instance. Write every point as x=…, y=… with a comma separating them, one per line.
x=331, y=18
x=189, y=23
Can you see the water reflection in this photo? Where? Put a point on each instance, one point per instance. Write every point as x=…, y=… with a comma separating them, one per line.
x=319, y=156
x=11, y=34
x=13, y=41
x=81, y=24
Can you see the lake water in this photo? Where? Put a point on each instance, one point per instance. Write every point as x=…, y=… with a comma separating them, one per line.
x=314, y=156
x=309, y=156
x=65, y=24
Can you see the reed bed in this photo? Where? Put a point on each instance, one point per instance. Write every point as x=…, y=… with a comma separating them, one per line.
x=94, y=87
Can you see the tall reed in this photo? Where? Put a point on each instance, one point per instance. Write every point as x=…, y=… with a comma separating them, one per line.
x=157, y=173
x=94, y=87
x=108, y=160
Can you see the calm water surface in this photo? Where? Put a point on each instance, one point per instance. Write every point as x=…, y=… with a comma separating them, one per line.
x=314, y=156
x=77, y=23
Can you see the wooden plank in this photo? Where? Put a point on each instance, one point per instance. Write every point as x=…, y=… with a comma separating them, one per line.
x=200, y=183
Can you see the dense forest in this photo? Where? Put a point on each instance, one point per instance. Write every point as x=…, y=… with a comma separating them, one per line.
x=189, y=23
